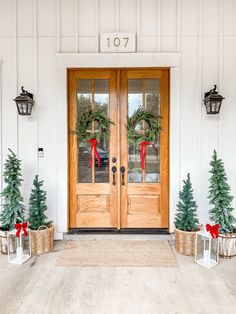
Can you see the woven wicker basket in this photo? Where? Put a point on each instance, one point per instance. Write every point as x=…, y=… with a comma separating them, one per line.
x=42, y=240
x=227, y=245
x=185, y=242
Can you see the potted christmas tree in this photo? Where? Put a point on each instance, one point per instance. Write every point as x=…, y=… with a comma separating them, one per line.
x=221, y=212
x=42, y=232
x=12, y=210
x=186, y=221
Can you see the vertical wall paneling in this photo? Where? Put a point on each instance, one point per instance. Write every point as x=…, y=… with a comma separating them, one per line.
x=76, y=26
x=97, y=25
x=178, y=26
x=24, y=18
x=47, y=15
x=138, y=25
x=199, y=105
x=148, y=25
x=47, y=121
x=159, y=9
x=6, y=18
x=178, y=46
x=117, y=15
x=58, y=26
x=221, y=58
x=128, y=15
x=15, y=43
x=107, y=16
x=35, y=62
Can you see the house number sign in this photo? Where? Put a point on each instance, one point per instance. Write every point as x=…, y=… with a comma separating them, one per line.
x=117, y=42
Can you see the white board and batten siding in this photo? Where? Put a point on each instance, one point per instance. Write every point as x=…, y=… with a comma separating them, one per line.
x=40, y=38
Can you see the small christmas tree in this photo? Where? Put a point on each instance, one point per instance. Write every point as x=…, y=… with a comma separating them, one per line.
x=186, y=216
x=12, y=208
x=219, y=196
x=37, y=206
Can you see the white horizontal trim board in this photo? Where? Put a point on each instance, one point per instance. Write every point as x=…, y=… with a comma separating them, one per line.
x=99, y=60
x=199, y=48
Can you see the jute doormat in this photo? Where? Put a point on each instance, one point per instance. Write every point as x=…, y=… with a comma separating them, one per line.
x=118, y=253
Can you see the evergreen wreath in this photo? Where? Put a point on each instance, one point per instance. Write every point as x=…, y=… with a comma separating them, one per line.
x=89, y=116
x=152, y=131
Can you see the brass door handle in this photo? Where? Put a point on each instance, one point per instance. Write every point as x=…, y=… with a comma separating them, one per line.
x=122, y=170
x=113, y=169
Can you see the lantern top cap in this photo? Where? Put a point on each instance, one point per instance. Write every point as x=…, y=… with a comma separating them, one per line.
x=25, y=93
x=24, y=96
x=213, y=94
x=204, y=233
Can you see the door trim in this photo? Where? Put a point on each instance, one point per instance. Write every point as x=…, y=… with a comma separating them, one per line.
x=64, y=61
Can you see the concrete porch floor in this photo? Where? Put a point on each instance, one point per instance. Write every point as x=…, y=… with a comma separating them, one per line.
x=40, y=287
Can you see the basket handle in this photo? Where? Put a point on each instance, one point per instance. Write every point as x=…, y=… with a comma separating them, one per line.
x=43, y=226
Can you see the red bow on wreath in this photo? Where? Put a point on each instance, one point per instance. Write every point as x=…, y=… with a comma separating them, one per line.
x=22, y=227
x=93, y=142
x=143, y=152
x=214, y=230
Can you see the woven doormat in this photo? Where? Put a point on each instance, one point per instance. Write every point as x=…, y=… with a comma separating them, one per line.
x=117, y=253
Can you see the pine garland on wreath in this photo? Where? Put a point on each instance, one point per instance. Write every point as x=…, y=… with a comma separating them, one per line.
x=186, y=216
x=219, y=196
x=12, y=208
x=152, y=131
x=37, y=206
x=89, y=116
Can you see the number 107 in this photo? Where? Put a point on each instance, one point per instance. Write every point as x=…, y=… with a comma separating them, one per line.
x=117, y=41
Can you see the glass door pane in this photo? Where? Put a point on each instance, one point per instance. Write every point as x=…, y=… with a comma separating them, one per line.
x=135, y=100
x=101, y=100
x=84, y=102
x=152, y=103
x=93, y=94
x=145, y=94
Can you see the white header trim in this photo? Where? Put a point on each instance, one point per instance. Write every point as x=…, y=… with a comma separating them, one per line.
x=117, y=60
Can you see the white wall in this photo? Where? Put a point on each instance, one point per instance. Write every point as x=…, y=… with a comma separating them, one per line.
x=33, y=31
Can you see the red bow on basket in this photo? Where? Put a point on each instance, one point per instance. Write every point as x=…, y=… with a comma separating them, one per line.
x=93, y=142
x=22, y=227
x=143, y=152
x=214, y=230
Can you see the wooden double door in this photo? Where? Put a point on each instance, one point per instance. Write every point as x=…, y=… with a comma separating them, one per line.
x=118, y=193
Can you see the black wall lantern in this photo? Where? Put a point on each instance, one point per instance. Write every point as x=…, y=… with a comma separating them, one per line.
x=213, y=101
x=24, y=103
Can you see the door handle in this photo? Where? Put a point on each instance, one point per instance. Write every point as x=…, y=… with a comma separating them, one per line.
x=113, y=169
x=122, y=170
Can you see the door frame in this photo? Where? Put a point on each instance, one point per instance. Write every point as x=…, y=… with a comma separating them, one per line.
x=165, y=163
x=115, y=60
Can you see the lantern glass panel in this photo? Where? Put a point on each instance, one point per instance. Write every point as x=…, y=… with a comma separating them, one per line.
x=208, y=106
x=22, y=247
x=206, y=249
x=214, y=106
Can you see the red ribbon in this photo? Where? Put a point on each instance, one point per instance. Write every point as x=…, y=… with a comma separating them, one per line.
x=143, y=152
x=23, y=226
x=93, y=142
x=214, y=230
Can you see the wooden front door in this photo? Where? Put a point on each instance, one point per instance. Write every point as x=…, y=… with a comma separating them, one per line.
x=118, y=194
